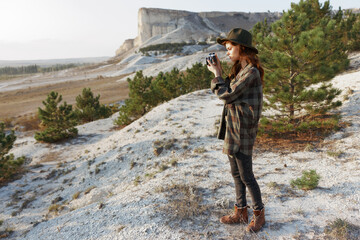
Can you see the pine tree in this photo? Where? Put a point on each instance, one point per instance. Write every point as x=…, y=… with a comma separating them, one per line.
x=349, y=23
x=168, y=85
x=89, y=108
x=197, y=77
x=298, y=51
x=8, y=164
x=141, y=99
x=59, y=121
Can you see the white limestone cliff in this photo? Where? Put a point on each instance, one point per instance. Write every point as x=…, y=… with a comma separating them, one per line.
x=157, y=26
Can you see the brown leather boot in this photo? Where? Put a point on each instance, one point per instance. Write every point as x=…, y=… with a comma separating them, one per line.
x=257, y=221
x=239, y=216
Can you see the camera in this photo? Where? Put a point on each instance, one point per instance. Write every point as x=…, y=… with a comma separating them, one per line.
x=211, y=58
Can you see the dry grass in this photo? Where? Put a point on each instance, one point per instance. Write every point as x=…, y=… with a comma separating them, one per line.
x=56, y=208
x=28, y=122
x=89, y=189
x=200, y=150
x=50, y=157
x=76, y=195
x=289, y=142
x=342, y=230
x=184, y=201
x=24, y=103
x=334, y=154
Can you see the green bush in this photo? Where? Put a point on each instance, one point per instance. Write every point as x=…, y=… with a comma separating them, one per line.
x=59, y=121
x=88, y=107
x=8, y=164
x=309, y=180
x=142, y=98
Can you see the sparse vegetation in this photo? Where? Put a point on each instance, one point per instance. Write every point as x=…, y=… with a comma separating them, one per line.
x=273, y=185
x=348, y=92
x=88, y=190
x=342, y=230
x=158, y=150
x=28, y=122
x=174, y=162
x=159, y=145
x=101, y=205
x=309, y=147
x=200, y=150
x=163, y=167
x=9, y=165
x=132, y=164
x=76, y=195
x=137, y=180
x=56, y=208
x=151, y=175
x=120, y=228
x=299, y=211
x=184, y=201
x=90, y=162
x=308, y=181
x=27, y=202
x=334, y=154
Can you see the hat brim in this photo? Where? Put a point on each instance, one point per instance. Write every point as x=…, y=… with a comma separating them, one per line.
x=223, y=40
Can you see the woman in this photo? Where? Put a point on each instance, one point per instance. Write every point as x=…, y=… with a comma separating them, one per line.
x=243, y=98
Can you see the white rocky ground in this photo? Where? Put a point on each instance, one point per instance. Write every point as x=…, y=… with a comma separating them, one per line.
x=127, y=186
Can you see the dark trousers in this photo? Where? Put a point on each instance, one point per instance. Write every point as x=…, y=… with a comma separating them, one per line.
x=241, y=170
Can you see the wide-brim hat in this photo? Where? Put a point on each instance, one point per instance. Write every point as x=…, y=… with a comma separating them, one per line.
x=239, y=36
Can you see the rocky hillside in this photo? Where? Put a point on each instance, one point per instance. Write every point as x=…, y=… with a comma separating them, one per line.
x=157, y=26
x=164, y=177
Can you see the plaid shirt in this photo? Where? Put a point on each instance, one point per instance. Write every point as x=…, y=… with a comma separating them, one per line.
x=243, y=100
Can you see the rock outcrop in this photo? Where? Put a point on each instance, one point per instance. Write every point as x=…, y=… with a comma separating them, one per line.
x=127, y=45
x=168, y=26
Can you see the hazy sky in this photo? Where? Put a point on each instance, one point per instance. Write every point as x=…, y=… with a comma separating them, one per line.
x=49, y=29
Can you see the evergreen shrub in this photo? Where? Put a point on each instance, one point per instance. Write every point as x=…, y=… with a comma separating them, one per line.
x=58, y=121
x=308, y=181
x=9, y=165
x=88, y=107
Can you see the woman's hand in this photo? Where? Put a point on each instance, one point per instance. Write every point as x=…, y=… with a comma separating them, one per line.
x=216, y=67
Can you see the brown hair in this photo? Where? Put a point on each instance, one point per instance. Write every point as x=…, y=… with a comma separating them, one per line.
x=249, y=56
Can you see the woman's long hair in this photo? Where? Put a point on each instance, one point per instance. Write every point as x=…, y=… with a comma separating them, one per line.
x=249, y=56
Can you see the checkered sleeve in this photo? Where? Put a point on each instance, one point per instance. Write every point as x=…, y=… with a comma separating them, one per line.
x=236, y=88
